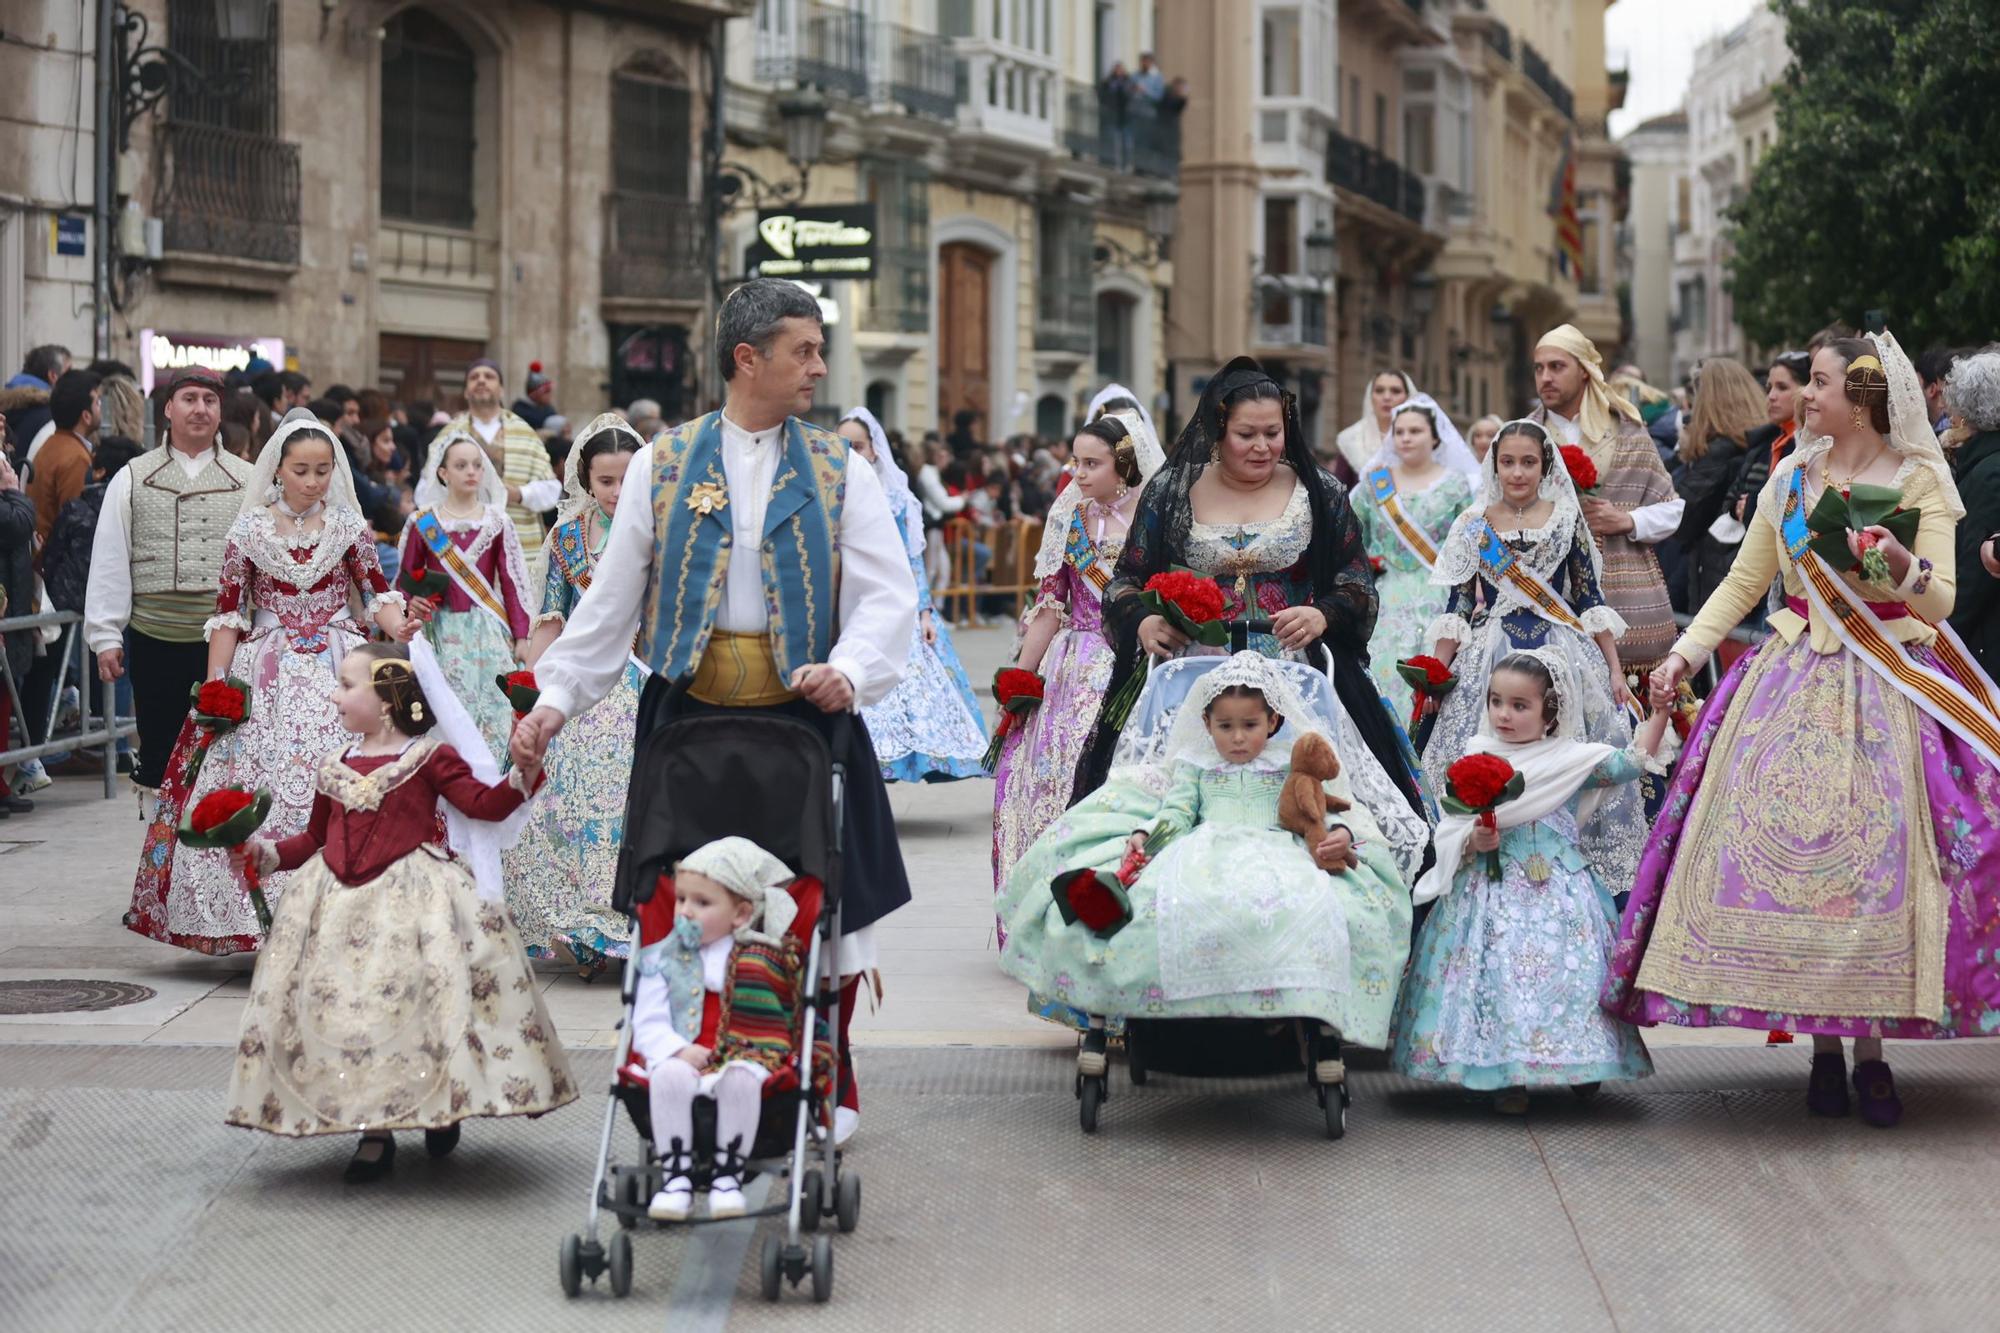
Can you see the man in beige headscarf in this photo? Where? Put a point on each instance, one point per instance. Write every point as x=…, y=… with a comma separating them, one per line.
x=1634, y=505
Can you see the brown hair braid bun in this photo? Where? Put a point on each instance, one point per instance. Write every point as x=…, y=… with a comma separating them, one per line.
x=395, y=682
x=1867, y=384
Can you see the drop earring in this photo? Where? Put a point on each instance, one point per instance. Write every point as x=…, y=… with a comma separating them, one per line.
x=1856, y=416
x=274, y=494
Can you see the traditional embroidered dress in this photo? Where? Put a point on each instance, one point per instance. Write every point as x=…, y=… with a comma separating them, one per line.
x=561, y=872
x=481, y=615
x=1231, y=919
x=390, y=995
x=1038, y=761
x=517, y=456
x=930, y=728
x=1409, y=601
x=1502, y=988
x=1829, y=857
x=293, y=598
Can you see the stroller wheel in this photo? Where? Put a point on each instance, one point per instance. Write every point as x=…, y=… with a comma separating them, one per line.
x=571, y=1257
x=621, y=1265
x=822, y=1269
x=1336, y=1114
x=771, y=1267
x=847, y=1202
x=1091, y=1097
x=809, y=1200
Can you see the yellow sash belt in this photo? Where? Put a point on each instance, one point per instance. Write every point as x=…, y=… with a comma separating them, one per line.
x=739, y=671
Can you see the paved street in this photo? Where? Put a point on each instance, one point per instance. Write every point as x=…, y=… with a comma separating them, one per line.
x=1701, y=1198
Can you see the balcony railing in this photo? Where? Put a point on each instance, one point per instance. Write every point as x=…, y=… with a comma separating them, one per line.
x=923, y=73
x=1538, y=72
x=1013, y=93
x=826, y=49
x=1129, y=133
x=653, y=248
x=1065, y=318
x=1372, y=175
x=899, y=298
x=228, y=192
x=443, y=255
x=1290, y=319
x=1500, y=39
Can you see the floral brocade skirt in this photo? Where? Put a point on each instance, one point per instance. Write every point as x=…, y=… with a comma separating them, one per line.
x=1828, y=861
x=403, y=1003
x=472, y=648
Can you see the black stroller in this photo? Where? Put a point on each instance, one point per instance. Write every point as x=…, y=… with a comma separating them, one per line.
x=770, y=778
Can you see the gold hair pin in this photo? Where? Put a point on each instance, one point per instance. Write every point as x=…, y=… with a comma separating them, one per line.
x=1866, y=361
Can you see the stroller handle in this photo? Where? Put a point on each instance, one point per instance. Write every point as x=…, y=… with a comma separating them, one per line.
x=1241, y=630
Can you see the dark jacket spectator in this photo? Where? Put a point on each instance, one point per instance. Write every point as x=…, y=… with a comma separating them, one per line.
x=66, y=557
x=1972, y=395
x=17, y=570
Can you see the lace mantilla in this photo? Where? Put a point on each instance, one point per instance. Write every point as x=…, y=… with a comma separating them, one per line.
x=256, y=535
x=355, y=790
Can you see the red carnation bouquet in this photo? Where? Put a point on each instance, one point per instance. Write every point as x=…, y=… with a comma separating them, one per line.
x=1192, y=604
x=219, y=707
x=1430, y=679
x=1098, y=898
x=1478, y=785
x=1018, y=693
x=1582, y=472
x=224, y=819
x=1376, y=565
x=521, y=690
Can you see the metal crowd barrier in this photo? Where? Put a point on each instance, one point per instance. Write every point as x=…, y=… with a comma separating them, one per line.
x=76, y=655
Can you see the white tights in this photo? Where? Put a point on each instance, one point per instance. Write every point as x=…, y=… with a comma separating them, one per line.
x=738, y=1094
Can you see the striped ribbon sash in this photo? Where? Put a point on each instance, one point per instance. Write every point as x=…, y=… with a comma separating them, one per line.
x=582, y=582
x=1502, y=566
x=1083, y=555
x=452, y=560
x=1961, y=701
x=1415, y=540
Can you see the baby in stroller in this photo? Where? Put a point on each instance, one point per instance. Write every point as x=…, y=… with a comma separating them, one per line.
x=1234, y=917
x=712, y=1015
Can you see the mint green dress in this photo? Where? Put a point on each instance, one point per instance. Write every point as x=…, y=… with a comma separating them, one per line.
x=1231, y=920
x=1408, y=601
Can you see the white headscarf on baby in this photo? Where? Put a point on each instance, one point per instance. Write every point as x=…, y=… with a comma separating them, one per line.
x=752, y=874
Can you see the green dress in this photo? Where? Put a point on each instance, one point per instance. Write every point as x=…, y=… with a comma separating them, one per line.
x=1231, y=920
x=1409, y=601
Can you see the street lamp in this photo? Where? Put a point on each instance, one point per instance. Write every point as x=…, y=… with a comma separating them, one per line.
x=803, y=112
x=1322, y=258
x=1163, y=207
x=1423, y=296
x=242, y=20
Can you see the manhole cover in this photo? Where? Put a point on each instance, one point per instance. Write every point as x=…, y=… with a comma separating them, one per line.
x=68, y=995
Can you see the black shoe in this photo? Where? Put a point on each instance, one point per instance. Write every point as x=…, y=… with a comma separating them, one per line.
x=16, y=805
x=440, y=1142
x=365, y=1170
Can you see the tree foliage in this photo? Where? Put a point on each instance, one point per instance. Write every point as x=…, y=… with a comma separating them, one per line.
x=1882, y=191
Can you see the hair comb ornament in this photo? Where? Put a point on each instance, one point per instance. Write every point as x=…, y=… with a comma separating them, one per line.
x=416, y=710
x=1867, y=361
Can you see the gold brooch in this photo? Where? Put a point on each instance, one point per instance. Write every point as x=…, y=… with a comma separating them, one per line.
x=706, y=498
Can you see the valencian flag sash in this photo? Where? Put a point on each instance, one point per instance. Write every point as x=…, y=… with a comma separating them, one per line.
x=1415, y=540
x=1502, y=566
x=1084, y=555
x=453, y=562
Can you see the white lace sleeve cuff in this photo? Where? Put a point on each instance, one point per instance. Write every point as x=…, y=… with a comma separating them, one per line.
x=1601, y=618
x=1690, y=652
x=555, y=618
x=235, y=620
x=376, y=601
x=1455, y=628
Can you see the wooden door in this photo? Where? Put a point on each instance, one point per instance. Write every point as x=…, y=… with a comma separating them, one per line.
x=965, y=327
x=427, y=369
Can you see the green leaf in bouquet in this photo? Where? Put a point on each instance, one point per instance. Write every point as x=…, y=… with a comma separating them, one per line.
x=231, y=832
x=431, y=584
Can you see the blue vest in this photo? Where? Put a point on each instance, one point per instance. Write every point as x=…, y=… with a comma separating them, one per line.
x=694, y=529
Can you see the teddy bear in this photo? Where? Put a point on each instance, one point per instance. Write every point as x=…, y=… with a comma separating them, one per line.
x=1303, y=803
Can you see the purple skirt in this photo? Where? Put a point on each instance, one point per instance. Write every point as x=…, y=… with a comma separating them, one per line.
x=1805, y=900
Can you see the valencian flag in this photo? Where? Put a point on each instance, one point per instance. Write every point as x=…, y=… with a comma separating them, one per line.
x=1562, y=207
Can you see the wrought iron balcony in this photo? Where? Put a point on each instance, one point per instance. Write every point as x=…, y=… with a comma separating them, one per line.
x=899, y=297
x=1065, y=318
x=1538, y=72
x=653, y=248
x=827, y=49
x=229, y=192
x=1290, y=319
x=1499, y=38
x=1128, y=133
x=1355, y=166
x=923, y=72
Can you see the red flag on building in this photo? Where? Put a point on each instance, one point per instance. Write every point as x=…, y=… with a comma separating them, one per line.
x=1562, y=207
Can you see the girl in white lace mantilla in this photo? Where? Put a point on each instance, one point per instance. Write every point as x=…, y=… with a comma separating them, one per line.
x=1501, y=994
x=300, y=586
x=1527, y=513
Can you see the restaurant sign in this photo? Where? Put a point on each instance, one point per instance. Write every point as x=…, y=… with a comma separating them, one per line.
x=830, y=241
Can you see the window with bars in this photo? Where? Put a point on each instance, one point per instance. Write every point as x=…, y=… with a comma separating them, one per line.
x=899, y=294
x=652, y=129
x=1065, y=314
x=238, y=87
x=429, y=78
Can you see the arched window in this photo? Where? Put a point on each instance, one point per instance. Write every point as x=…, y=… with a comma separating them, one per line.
x=1114, y=336
x=428, y=77
x=1052, y=417
x=881, y=400
x=652, y=126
